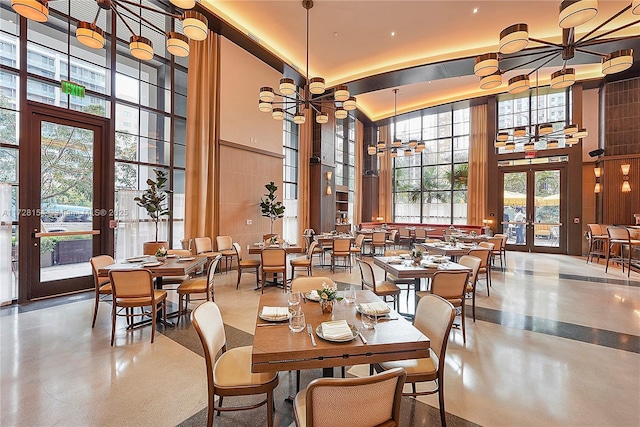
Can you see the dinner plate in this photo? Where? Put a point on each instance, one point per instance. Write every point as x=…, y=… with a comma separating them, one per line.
x=310, y=298
x=152, y=264
x=395, y=262
x=171, y=256
x=359, y=310
x=275, y=319
x=429, y=265
x=189, y=258
x=136, y=259
x=354, y=331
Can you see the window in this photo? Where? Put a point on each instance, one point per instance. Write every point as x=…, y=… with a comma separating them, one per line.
x=345, y=155
x=290, y=180
x=431, y=187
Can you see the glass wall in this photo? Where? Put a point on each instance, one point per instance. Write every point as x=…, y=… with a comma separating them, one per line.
x=431, y=187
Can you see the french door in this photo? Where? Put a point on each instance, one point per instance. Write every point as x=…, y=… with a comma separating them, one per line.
x=533, y=209
x=64, y=201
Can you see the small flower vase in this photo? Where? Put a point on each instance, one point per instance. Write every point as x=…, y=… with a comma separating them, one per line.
x=417, y=260
x=162, y=258
x=326, y=305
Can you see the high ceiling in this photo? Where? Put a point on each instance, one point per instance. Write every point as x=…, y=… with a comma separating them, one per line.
x=425, y=48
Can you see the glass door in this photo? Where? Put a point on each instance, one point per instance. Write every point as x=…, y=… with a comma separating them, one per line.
x=60, y=209
x=532, y=207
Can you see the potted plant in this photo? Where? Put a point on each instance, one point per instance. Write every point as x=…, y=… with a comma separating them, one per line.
x=270, y=207
x=154, y=201
x=416, y=255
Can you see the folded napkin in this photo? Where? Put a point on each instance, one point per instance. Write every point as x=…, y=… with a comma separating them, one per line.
x=314, y=294
x=336, y=330
x=430, y=265
x=374, y=307
x=275, y=312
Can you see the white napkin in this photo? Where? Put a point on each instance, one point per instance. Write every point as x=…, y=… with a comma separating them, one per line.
x=374, y=307
x=314, y=294
x=275, y=312
x=336, y=330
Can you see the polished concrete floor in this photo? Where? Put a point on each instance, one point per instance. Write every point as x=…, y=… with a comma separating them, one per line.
x=556, y=343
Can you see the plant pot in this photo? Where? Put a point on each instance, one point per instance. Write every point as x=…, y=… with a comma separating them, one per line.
x=150, y=248
x=326, y=306
x=417, y=260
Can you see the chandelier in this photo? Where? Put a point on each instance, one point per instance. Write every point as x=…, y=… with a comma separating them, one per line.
x=573, y=13
x=289, y=100
x=529, y=136
x=397, y=147
x=194, y=24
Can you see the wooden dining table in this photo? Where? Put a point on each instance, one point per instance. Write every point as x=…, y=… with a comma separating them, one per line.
x=404, y=269
x=448, y=250
x=277, y=348
x=289, y=249
x=174, y=266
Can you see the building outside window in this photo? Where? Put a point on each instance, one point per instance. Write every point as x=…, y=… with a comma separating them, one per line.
x=290, y=140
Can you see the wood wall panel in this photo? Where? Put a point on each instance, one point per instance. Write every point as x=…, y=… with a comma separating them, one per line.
x=619, y=207
x=243, y=175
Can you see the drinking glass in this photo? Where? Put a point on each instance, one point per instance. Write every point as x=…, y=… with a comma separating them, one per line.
x=369, y=321
x=350, y=295
x=297, y=321
x=294, y=299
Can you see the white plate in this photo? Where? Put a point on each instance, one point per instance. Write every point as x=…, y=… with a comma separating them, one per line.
x=310, y=298
x=371, y=314
x=151, y=264
x=189, y=258
x=275, y=319
x=137, y=259
x=171, y=256
x=354, y=331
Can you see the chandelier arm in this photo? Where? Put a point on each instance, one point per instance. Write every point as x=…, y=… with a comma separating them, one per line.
x=95, y=20
x=528, y=53
x=546, y=42
x=115, y=10
x=603, y=24
x=553, y=55
x=323, y=104
x=590, y=52
x=151, y=24
x=596, y=42
x=173, y=15
x=597, y=39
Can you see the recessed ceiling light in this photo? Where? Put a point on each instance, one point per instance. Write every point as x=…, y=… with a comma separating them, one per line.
x=393, y=33
x=475, y=10
x=335, y=33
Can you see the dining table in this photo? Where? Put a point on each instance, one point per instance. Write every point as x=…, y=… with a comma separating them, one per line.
x=446, y=249
x=405, y=268
x=256, y=249
x=277, y=348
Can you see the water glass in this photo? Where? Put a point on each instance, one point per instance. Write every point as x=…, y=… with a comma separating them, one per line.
x=294, y=299
x=369, y=321
x=297, y=321
x=350, y=295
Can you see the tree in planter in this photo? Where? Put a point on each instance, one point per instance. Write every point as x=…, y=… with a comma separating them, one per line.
x=271, y=208
x=154, y=198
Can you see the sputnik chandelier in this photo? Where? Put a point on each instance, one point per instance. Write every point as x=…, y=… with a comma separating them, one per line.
x=289, y=100
x=397, y=147
x=573, y=13
x=194, y=24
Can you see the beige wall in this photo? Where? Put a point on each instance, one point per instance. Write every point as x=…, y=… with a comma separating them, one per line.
x=241, y=76
x=590, y=102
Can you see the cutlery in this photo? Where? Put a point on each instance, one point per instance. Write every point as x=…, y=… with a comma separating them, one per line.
x=272, y=324
x=310, y=331
x=364, y=340
x=304, y=298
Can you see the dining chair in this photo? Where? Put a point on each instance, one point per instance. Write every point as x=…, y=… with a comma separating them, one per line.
x=490, y=246
x=405, y=237
x=383, y=288
x=176, y=280
x=204, y=246
x=484, y=254
x=303, y=262
x=274, y=262
x=472, y=263
x=421, y=235
x=391, y=241
x=246, y=264
x=197, y=285
x=187, y=244
x=229, y=374
x=341, y=249
x=496, y=252
x=378, y=240
x=224, y=245
x=131, y=289
x=358, y=247
x=102, y=284
x=434, y=318
x=598, y=242
x=358, y=402
x=620, y=237
x=408, y=282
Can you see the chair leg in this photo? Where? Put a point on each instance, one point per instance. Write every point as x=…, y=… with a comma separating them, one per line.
x=179, y=308
x=473, y=303
x=239, y=274
x=464, y=323
x=113, y=322
x=606, y=268
x=154, y=314
x=95, y=310
x=270, y=408
x=443, y=419
x=219, y=404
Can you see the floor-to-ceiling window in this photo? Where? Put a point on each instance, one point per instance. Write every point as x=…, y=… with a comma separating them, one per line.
x=431, y=187
x=345, y=146
x=290, y=136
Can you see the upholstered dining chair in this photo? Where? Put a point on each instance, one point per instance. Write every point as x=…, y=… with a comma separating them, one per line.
x=204, y=246
x=132, y=289
x=496, y=252
x=405, y=237
x=409, y=283
x=341, y=249
x=175, y=280
x=452, y=286
x=421, y=235
x=273, y=261
x=485, y=257
x=246, y=264
x=378, y=240
x=197, y=285
x=491, y=247
x=357, y=402
x=230, y=373
x=383, y=288
x=224, y=245
x=472, y=263
x=102, y=284
x=620, y=237
x=303, y=262
x=434, y=318
x=358, y=247
x=598, y=242
x=391, y=241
